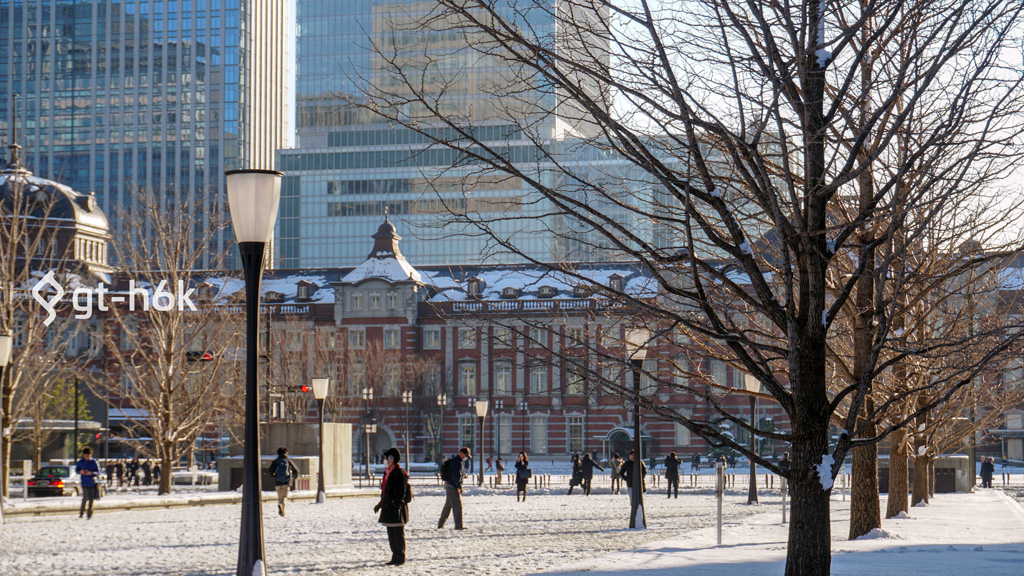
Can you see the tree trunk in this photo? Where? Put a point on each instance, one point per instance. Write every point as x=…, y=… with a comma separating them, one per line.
x=920, y=479
x=865, y=511
x=899, y=475
x=931, y=476
x=809, y=550
x=166, y=463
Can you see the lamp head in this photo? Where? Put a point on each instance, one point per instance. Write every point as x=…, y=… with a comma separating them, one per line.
x=320, y=387
x=637, y=339
x=253, y=196
x=751, y=383
x=6, y=343
x=481, y=408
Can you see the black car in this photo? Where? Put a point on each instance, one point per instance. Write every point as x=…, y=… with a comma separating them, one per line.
x=55, y=480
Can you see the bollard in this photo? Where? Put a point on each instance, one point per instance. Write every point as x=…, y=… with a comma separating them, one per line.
x=719, y=494
x=782, y=486
x=843, y=489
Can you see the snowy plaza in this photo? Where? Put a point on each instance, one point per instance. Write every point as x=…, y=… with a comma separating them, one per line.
x=551, y=532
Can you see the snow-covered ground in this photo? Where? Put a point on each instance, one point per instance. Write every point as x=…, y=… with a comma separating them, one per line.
x=342, y=536
x=981, y=533
x=957, y=534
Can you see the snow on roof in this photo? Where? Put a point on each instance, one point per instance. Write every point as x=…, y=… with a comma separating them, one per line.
x=390, y=269
x=531, y=280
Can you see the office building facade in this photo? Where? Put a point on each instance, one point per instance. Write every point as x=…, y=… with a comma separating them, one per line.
x=114, y=95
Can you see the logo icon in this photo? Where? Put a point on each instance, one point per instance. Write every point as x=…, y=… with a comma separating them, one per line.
x=40, y=288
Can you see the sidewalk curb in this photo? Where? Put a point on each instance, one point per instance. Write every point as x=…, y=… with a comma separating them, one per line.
x=218, y=499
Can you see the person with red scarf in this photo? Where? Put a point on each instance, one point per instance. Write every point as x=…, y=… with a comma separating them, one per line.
x=395, y=495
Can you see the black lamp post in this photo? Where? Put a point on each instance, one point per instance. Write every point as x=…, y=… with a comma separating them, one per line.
x=524, y=406
x=6, y=341
x=753, y=385
x=407, y=402
x=636, y=350
x=367, y=397
x=481, y=413
x=253, y=197
x=320, y=387
x=442, y=403
x=498, y=405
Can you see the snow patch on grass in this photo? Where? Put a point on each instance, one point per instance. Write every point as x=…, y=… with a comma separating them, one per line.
x=875, y=534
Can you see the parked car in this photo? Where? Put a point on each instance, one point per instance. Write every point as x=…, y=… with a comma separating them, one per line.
x=57, y=480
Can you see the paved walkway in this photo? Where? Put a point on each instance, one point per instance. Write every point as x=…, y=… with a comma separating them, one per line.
x=121, y=502
x=980, y=533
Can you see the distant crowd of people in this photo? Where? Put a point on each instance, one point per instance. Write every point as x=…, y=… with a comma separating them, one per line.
x=132, y=472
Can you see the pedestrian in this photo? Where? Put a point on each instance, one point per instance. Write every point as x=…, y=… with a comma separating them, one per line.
x=587, y=466
x=577, y=473
x=88, y=469
x=452, y=472
x=672, y=473
x=626, y=471
x=133, y=471
x=283, y=470
x=110, y=472
x=395, y=495
x=695, y=463
x=784, y=462
x=119, y=470
x=723, y=462
x=499, y=467
x=147, y=473
x=489, y=467
x=616, y=475
x=156, y=472
x=1002, y=460
x=523, y=474
x=988, y=467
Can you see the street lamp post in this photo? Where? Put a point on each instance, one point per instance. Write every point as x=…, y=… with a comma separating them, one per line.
x=407, y=401
x=367, y=397
x=6, y=341
x=752, y=385
x=481, y=413
x=524, y=406
x=442, y=403
x=636, y=350
x=320, y=387
x=74, y=443
x=498, y=405
x=253, y=197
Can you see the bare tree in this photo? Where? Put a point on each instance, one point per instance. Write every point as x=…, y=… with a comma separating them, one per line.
x=172, y=361
x=740, y=131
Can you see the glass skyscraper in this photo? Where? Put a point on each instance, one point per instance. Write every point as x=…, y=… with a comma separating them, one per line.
x=348, y=165
x=167, y=95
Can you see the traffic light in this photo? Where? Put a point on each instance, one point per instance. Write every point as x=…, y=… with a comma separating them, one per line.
x=198, y=356
x=303, y=388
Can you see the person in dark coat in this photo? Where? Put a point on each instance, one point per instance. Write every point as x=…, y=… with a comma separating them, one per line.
x=523, y=474
x=627, y=474
x=133, y=471
x=453, y=489
x=147, y=474
x=672, y=473
x=89, y=470
x=499, y=468
x=616, y=465
x=156, y=472
x=577, y=473
x=695, y=463
x=119, y=470
x=988, y=468
x=587, y=466
x=110, y=472
x=784, y=462
x=395, y=495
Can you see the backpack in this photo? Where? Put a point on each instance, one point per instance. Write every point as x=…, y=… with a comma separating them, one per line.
x=282, y=471
x=446, y=469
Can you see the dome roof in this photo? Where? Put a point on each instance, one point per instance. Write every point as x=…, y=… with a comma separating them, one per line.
x=46, y=199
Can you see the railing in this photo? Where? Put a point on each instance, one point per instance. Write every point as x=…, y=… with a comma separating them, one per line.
x=483, y=306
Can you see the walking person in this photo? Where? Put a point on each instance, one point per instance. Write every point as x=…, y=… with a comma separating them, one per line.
x=395, y=495
x=695, y=463
x=672, y=473
x=88, y=469
x=988, y=468
x=577, y=473
x=626, y=471
x=119, y=470
x=110, y=472
x=489, y=465
x=452, y=472
x=499, y=467
x=616, y=465
x=156, y=472
x=147, y=473
x=133, y=471
x=283, y=470
x=587, y=466
x=523, y=474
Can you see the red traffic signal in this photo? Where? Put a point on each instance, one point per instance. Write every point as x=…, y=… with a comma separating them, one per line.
x=303, y=388
x=198, y=356
x=98, y=435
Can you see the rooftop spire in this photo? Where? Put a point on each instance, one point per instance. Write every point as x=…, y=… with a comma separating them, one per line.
x=15, y=162
x=385, y=241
